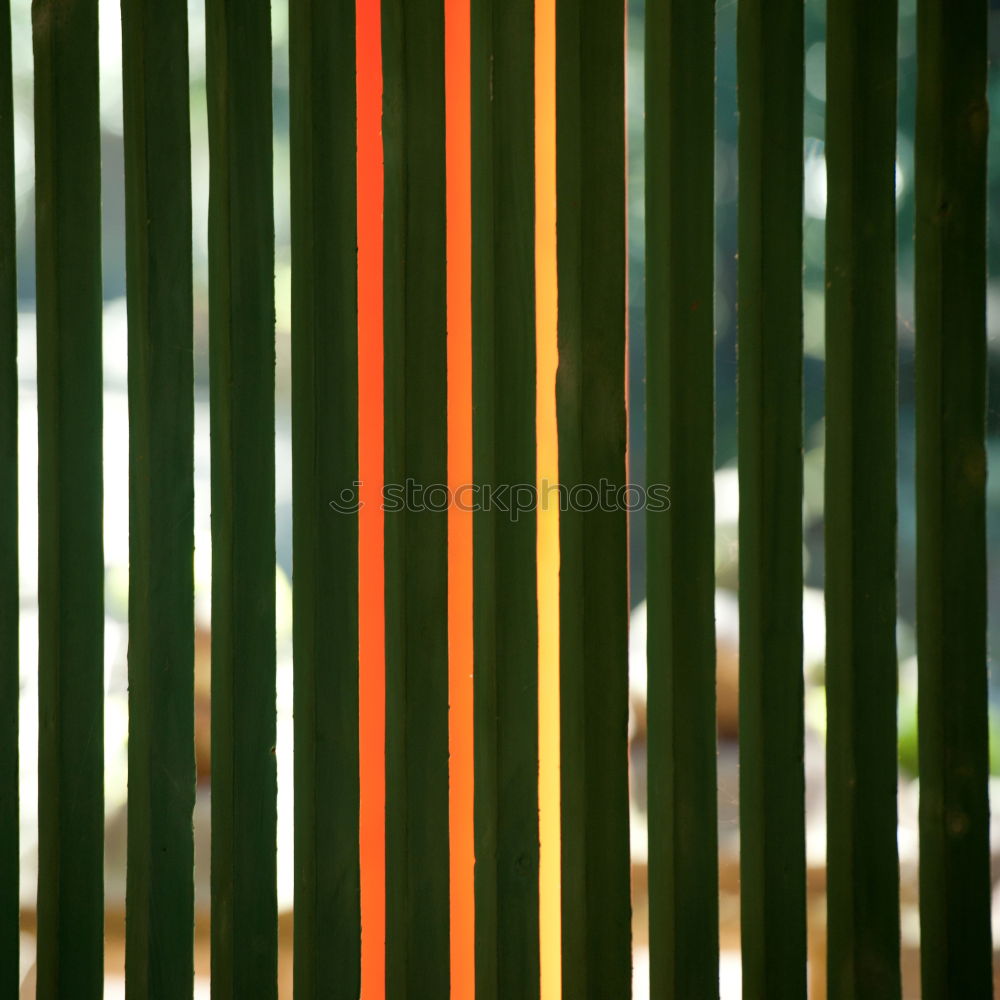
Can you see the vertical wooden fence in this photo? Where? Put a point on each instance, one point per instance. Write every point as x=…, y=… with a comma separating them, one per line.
x=451, y=239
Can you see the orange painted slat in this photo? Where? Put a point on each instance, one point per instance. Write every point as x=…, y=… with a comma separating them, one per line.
x=371, y=575
x=460, y=645
x=547, y=459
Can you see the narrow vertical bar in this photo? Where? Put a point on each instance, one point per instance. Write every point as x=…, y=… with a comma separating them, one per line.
x=416, y=524
x=506, y=634
x=952, y=125
x=159, y=956
x=860, y=506
x=325, y=514
x=70, y=501
x=593, y=632
x=241, y=349
x=371, y=542
x=680, y=541
x=461, y=697
x=772, y=810
x=9, y=600
x=547, y=523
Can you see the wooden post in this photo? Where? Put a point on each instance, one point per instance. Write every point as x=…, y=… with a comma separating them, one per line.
x=161, y=774
x=506, y=626
x=9, y=591
x=416, y=525
x=593, y=588
x=952, y=124
x=772, y=807
x=680, y=540
x=325, y=519
x=70, y=501
x=241, y=349
x=860, y=504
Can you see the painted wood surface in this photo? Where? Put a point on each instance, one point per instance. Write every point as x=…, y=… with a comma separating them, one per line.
x=9, y=590
x=506, y=625
x=161, y=766
x=680, y=540
x=325, y=456
x=860, y=502
x=593, y=578
x=952, y=124
x=772, y=796
x=241, y=364
x=416, y=534
x=70, y=492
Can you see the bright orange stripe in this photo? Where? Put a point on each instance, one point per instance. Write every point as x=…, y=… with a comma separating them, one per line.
x=460, y=692
x=371, y=582
x=547, y=360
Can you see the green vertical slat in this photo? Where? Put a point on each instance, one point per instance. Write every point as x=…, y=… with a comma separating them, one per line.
x=70, y=500
x=772, y=810
x=159, y=959
x=680, y=353
x=325, y=463
x=505, y=612
x=416, y=538
x=241, y=335
x=9, y=602
x=590, y=404
x=952, y=124
x=862, y=862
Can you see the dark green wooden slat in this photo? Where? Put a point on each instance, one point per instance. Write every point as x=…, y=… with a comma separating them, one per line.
x=590, y=403
x=505, y=613
x=159, y=959
x=241, y=321
x=952, y=124
x=772, y=811
x=325, y=453
x=9, y=683
x=862, y=863
x=416, y=540
x=680, y=353
x=70, y=496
